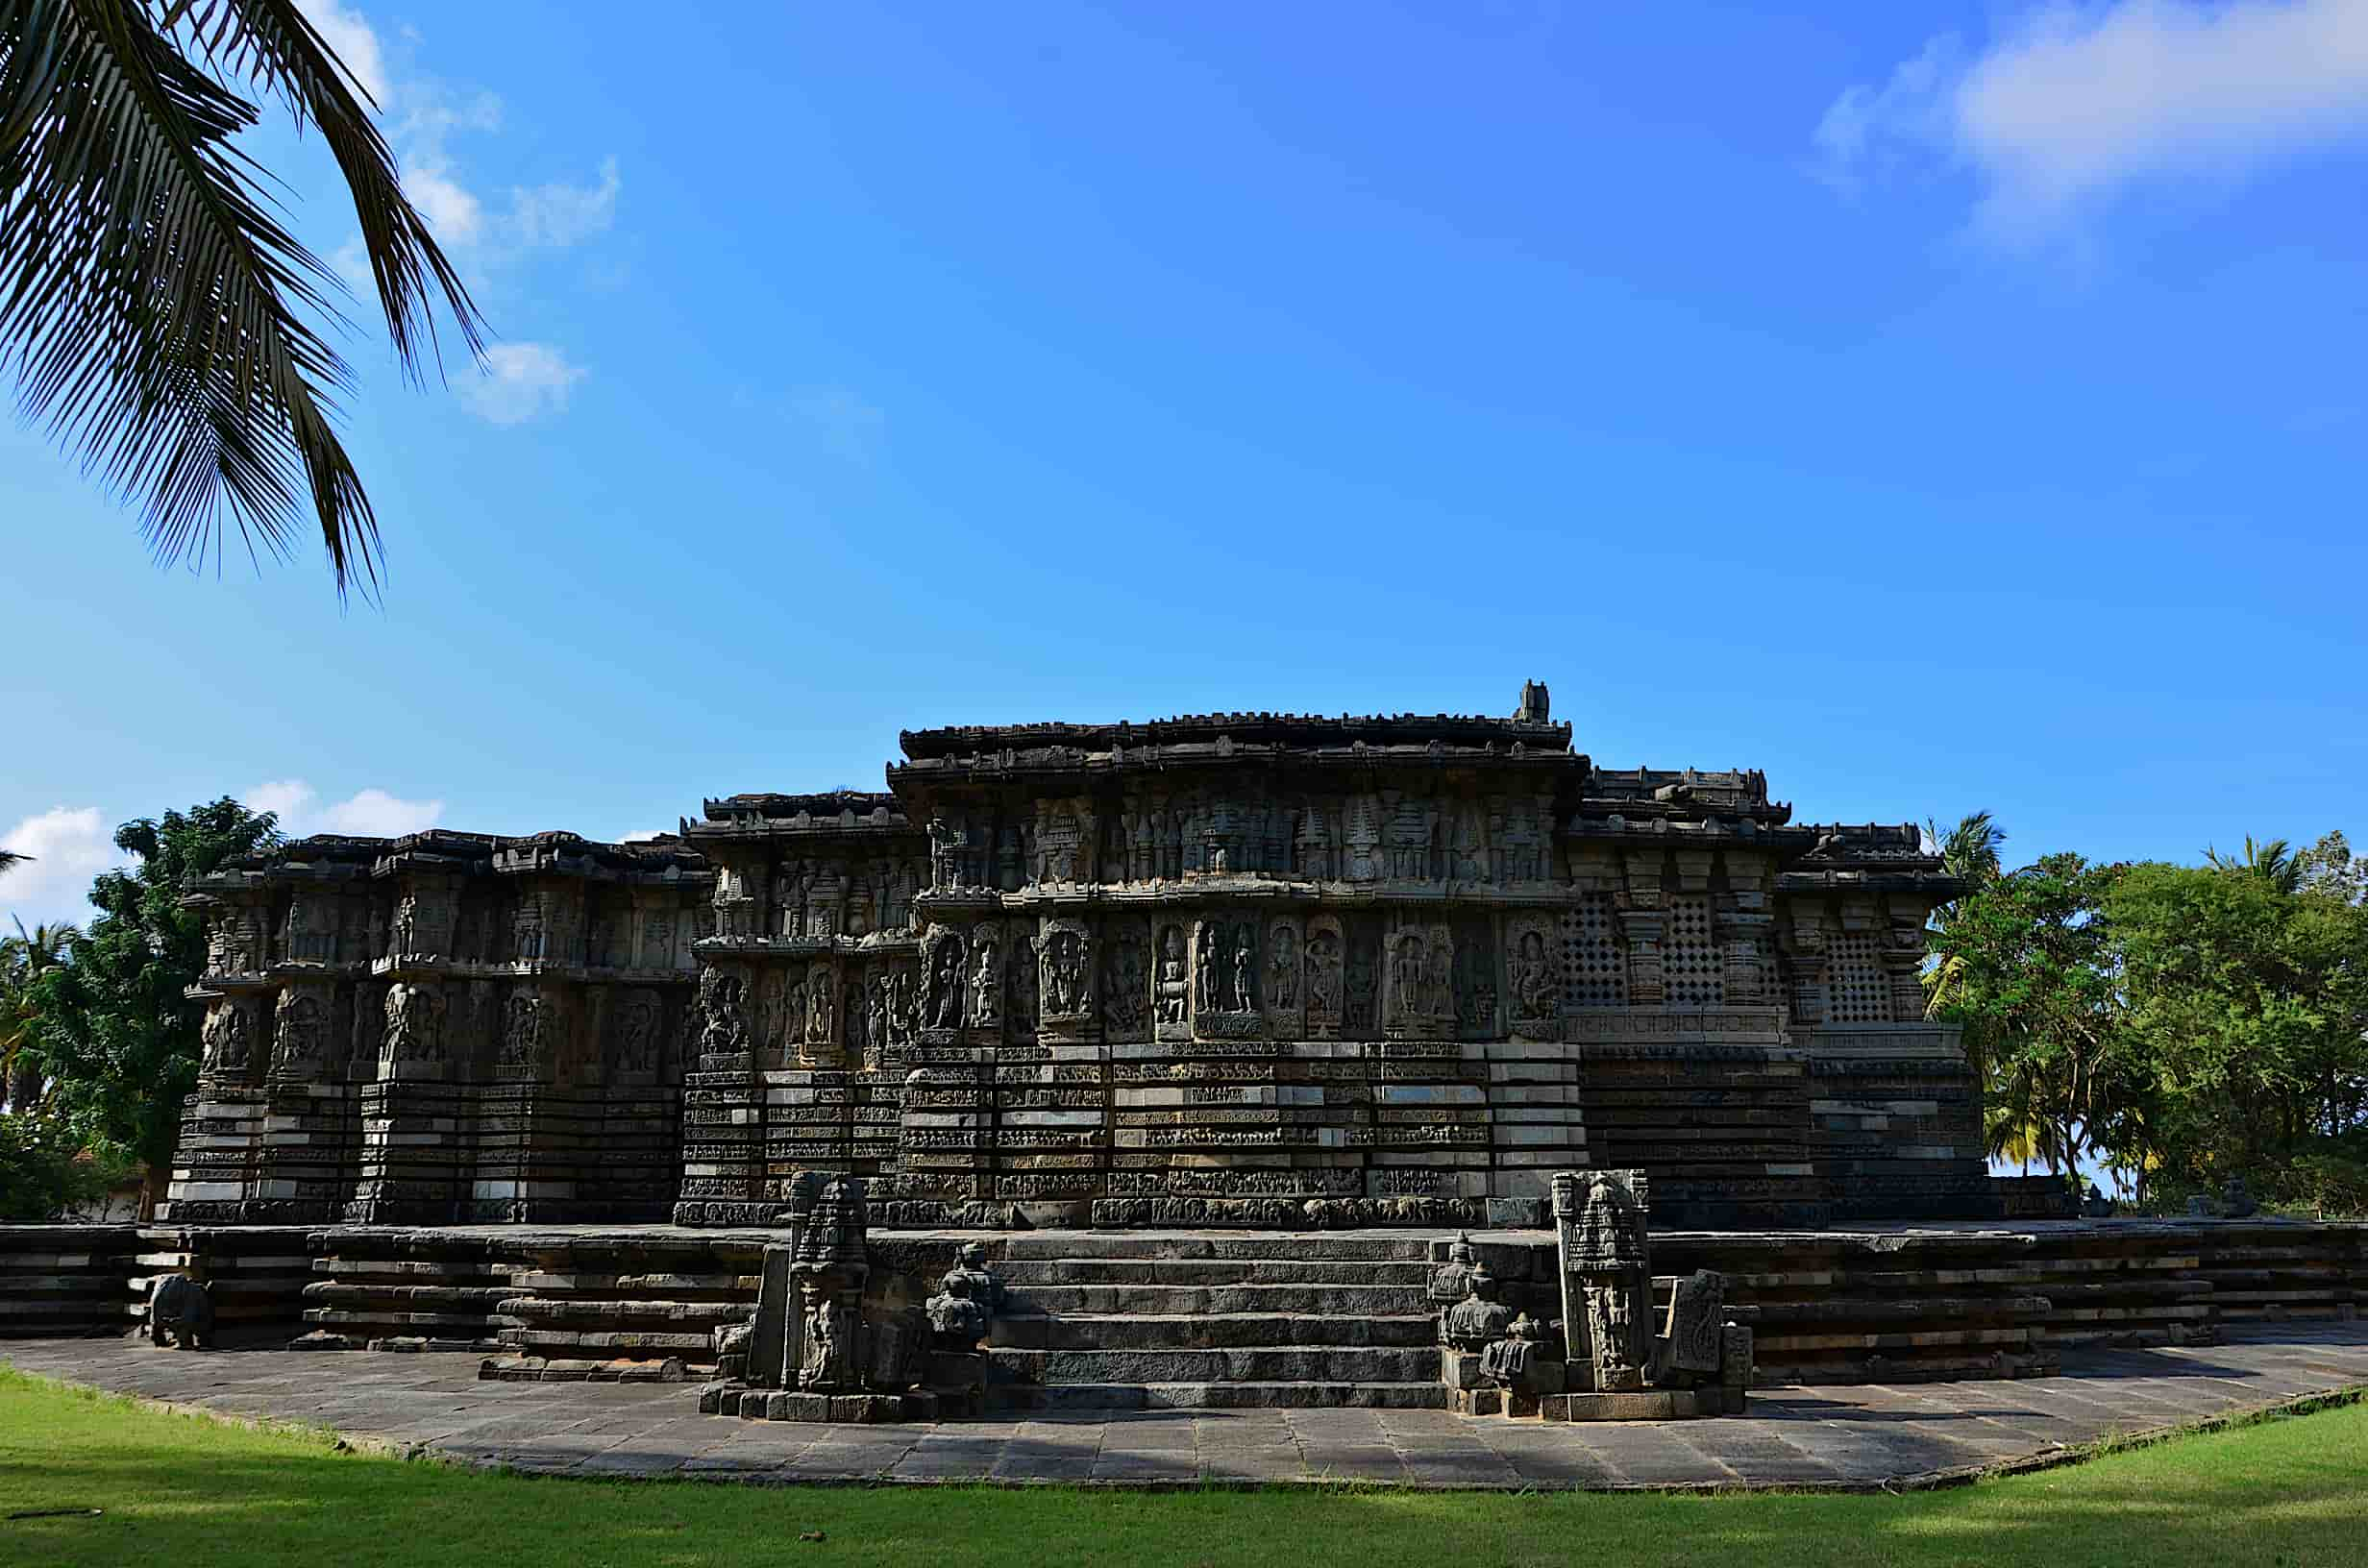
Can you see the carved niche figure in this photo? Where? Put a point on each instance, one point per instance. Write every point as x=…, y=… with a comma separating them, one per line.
x=527, y=930
x=948, y=965
x=820, y=1006
x=524, y=1034
x=1063, y=982
x=1407, y=971
x=1174, y=989
x=1323, y=974
x=1241, y=975
x=1438, y=988
x=1282, y=967
x=229, y=1038
x=946, y=854
x=303, y=1029
x=305, y=941
x=1533, y=979
x=858, y=1018
x=723, y=1022
x=1468, y=851
x=1208, y=992
x=406, y=925
x=637, y=1032
x=415, y=1024
x=1060, y=846
x=986, y=979
x=772, y=1010
x=1128, y=984
x=792, y=1028
x=879, y=998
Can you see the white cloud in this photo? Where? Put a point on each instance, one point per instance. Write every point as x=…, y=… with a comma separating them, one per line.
x=376, y=814
x=521, y=380
x=351, y=39
x=643, y=835
x=370, y=813
x=2075, y=104
x=453, y=215
x=561, y=214
x=68, y=846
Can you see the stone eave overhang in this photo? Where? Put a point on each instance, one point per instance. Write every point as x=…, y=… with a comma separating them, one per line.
x=1058, y=761
x=1939, y=886
x=1289, y=730
x=1761, y=829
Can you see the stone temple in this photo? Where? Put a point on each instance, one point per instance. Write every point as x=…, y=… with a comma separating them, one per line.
x=1227, y=970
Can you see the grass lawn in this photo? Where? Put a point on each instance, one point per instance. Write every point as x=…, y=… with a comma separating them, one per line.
x=187, y=1491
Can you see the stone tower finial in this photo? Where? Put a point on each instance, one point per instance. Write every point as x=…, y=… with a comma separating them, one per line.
x=1536, y=708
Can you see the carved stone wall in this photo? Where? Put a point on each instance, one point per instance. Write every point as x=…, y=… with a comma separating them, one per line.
x=1242, y=968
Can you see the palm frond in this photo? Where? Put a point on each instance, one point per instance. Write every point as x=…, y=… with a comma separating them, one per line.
x=159, y=317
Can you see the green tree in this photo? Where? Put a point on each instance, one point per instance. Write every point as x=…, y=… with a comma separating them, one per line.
x=23, y=957
x=2031, y=981
x=162, y=321
x=115, y=1032
x=2247, y=991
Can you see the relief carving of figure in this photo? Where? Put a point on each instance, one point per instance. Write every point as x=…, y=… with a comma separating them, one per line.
x=1208, y=996
x=415, y=1024
x=1283, y=966
x=229, y=1038
x=1438, y=987
x=879, y=1002
x=986, y=982
x=946, y=976
x=1407, y=974
x=1063, y=965
x=820, y=1005
x=1533, y=979
x=304, y=1031
x=523, y=1032
x=723, y=1024
x=1173, y=988
x=1241, y=975
x=858, y=1037
x=637, y=1033
x=1323, y=974
x=1127, y=983
x=407, y=925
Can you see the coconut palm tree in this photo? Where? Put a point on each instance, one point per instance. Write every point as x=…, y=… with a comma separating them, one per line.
x=1968, y=853
x=9, y=857
x=160, y=321
x=22, y=957
x=2273, y=862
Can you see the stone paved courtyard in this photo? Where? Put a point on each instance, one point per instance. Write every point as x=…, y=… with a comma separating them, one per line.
x=1858, y=1435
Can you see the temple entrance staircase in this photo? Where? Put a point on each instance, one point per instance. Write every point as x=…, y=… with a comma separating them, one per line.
x=1111, y=1320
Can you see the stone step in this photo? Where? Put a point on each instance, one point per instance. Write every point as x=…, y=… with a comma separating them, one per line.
x=1219, y=1396
x=1028, y=1272
x=1204, y=1330
x=1172, y=1300
x=1314, y=1246
x=1254, y=1364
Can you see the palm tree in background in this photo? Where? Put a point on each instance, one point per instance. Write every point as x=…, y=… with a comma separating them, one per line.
x=160, y=321
x=2273, y=862
x=1968, y=853
x=23, y=957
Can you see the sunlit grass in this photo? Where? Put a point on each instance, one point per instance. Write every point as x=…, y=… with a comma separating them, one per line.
x=185, y=1491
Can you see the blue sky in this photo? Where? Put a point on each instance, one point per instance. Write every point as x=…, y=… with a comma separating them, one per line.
x=1938, y=406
